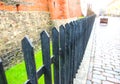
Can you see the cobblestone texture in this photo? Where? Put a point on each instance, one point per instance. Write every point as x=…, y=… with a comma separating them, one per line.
x=106, y=61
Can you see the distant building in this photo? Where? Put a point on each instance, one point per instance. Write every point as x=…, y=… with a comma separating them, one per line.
x=113, y=8
x=59, y=9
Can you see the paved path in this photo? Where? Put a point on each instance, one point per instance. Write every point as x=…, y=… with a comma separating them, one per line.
x=105, y=63
x=101, y=63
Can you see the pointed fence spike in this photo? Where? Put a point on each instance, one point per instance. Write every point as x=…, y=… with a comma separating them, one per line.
x=55, y=44
x=45, y=44
x=62, y=55
x=28, y=52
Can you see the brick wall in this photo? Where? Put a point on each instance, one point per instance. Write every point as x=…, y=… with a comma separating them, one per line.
x=26, y=17
x=26, y=5
x=59, y=9
x=64, y=9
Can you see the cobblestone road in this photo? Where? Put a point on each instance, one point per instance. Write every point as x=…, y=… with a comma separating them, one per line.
x=105, y=63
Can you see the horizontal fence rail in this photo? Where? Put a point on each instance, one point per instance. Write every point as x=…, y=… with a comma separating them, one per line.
x=68, y=46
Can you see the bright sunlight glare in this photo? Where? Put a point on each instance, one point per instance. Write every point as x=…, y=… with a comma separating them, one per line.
x=99, y=4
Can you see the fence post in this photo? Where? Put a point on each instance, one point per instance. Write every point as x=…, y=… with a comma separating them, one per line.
x=2, y=74
x=76, y=46
x=45, y=43
x=72, y=50
x=62, y=56
x=78, y=42
x=55, y=43
x=67, y=37
x=28, y=52
x=81, y=40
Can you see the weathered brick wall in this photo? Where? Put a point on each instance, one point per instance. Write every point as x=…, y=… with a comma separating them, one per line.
x=24, y=5
x=16, y=22
x=59, y=9
x=14, y=26
x=64, y=9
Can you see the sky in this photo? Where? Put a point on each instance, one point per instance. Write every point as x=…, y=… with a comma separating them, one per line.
x=99, y=4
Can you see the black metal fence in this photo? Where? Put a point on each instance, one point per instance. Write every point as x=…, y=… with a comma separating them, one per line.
x=68, y=46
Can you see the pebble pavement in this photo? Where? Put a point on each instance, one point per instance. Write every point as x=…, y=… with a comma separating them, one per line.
x=101, y=62
x=105, y=63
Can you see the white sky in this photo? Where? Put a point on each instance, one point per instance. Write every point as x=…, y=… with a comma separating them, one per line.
x=99, y=4
x=96, y=5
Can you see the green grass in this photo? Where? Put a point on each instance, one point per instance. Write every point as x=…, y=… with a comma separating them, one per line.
x=80, y=17
x=17, y=74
